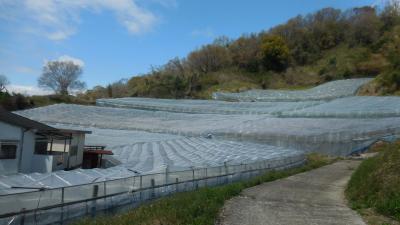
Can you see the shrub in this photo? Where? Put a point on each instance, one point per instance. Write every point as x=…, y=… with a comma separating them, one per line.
x=275, y=53
x=376, y=182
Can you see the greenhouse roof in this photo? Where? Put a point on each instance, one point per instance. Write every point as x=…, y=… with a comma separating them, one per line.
x=150, y=135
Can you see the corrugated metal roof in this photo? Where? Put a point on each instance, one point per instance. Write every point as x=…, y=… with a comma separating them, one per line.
x=17, y=120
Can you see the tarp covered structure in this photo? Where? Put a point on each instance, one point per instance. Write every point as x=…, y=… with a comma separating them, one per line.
x=159, y=136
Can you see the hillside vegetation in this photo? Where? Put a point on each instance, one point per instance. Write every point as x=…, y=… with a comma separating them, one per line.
x=376, y=182
x=16, y=101
x=305, y=51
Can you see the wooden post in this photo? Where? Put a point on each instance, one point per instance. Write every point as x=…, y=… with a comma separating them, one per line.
x=153, y=183
x=220, y=174
x=195, y=186
x=166, y=175
x=51, y=146
x=101, y=160
x=176, y=184
x=226, y=168
x=22, y=221
x=241, y=171
x=226, y=172
x=62, y=206
x=69, y=150
x=104, y=194
x=140, y=188
x=245, y=170
x=206, y=178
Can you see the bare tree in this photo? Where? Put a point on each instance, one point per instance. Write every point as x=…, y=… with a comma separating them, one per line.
x=209, y=58
x=3, y=82
x=62, y=77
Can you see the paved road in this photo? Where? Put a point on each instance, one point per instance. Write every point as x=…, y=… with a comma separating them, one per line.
x=311, y=198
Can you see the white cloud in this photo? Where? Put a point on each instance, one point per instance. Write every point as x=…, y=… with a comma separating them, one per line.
x=206, y=32
x=58, y=19
x=163, y=3
x=26, y=70
x=59, y=35
x=73, y=59
x=27, y=90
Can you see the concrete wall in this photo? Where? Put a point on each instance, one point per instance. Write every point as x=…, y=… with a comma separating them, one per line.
x=48, y=163
x=42, y=163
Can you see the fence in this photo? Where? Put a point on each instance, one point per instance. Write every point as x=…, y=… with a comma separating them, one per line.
x=66, y=204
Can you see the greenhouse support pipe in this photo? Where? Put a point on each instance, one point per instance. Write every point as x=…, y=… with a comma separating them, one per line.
x=62, y=207
x=141, y=182
x=24, y=211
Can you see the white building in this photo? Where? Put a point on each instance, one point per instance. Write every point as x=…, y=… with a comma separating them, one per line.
x=28, y=146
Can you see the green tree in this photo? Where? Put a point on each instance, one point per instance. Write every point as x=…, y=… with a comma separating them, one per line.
x=392, y=48
x=275, y=53
x=390, y=78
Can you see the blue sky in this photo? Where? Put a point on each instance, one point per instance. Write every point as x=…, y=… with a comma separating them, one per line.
x=115, y=39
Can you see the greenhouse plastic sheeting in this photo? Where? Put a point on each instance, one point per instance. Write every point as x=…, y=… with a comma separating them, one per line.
x=333, y=136
x=351, y=107
x=175, y=153
x=65, y=204
x=205, y=106
x=327, y=91
x=158, y=141
x=132, y=119
x=337, y=136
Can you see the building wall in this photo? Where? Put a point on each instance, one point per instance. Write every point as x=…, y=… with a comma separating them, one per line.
x=43, y=163
x=11, y=132
x=28, y=152
x=31, y=162
x=48, y=163
x=78, y=140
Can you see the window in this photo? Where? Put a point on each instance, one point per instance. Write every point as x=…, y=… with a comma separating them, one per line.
x=8, y=149
x=41, y=147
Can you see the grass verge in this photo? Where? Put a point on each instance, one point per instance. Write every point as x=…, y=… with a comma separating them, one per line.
x=375, y=185
x=197, y=207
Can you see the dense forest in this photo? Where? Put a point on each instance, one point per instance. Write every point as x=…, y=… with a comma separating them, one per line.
x=305, y=51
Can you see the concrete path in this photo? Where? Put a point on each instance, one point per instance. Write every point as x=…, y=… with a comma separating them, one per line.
x=311, y=198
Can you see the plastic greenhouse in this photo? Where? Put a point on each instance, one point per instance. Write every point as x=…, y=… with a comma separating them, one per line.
x=164, y=146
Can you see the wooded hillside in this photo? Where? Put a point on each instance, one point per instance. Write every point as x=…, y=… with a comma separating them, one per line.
x=305, y=51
